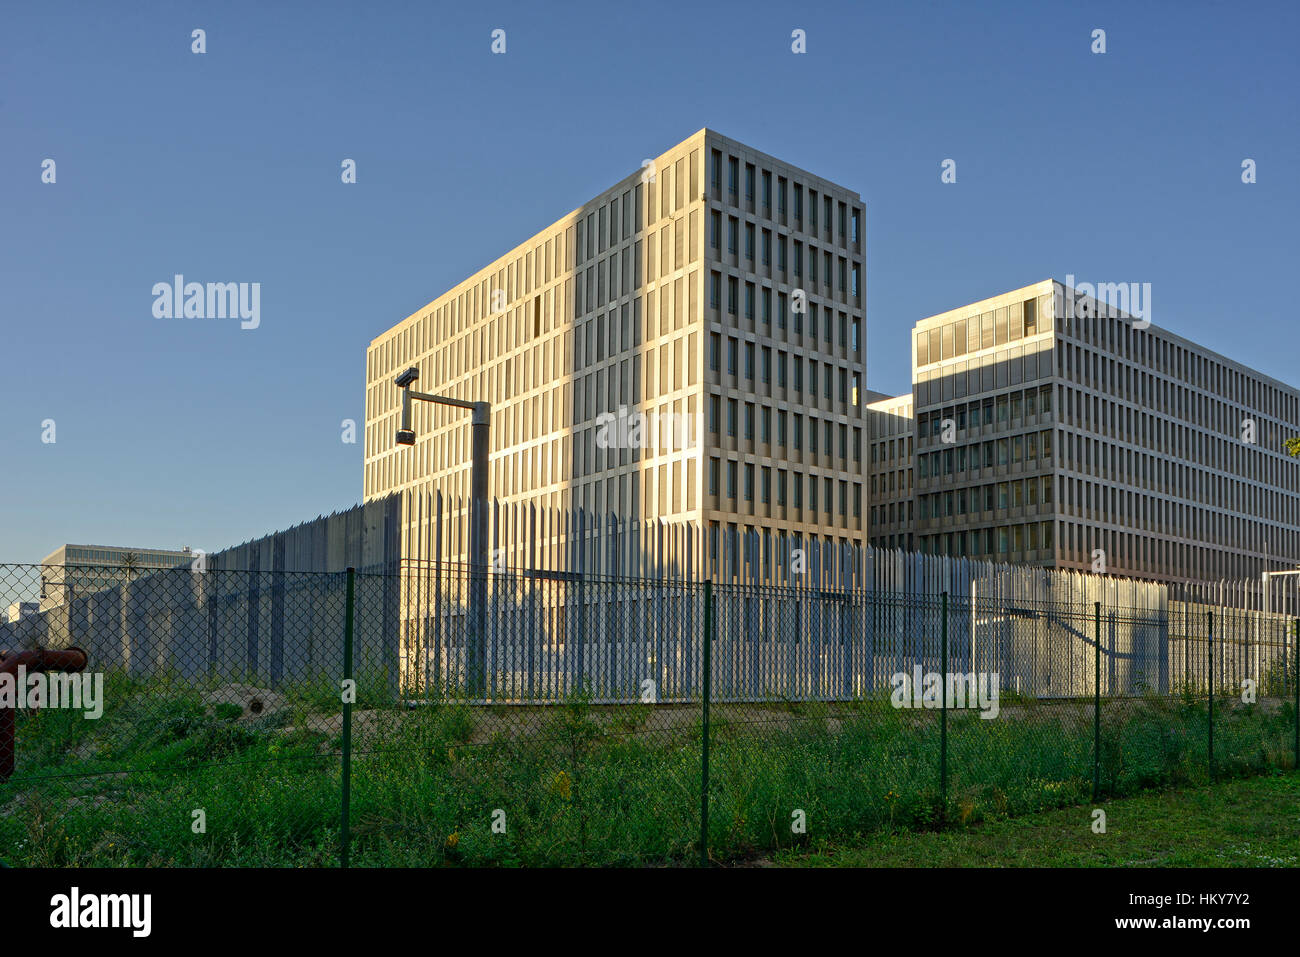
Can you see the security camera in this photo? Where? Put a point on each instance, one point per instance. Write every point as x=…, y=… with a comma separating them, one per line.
x=405, y=436
x=408, y=377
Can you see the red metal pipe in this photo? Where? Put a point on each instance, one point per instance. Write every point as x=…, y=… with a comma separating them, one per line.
x=39, y=659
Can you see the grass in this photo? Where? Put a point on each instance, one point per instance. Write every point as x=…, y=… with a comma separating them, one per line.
x=1253, y=822
x=575, y=784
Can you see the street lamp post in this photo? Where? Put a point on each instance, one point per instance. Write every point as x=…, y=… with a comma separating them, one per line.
x=1266, y=577
x=481, y=412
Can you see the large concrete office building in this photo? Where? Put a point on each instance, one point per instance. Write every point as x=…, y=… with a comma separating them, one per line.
x=1055, y=430
x=715, y=291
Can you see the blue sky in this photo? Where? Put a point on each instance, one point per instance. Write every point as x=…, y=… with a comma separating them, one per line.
x=225, y=167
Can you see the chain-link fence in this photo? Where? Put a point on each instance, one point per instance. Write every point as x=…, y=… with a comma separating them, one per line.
x=391, y=717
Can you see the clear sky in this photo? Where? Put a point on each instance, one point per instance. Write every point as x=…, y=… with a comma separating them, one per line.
x=1122, y=166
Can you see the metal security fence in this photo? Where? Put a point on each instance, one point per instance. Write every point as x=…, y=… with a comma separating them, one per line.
x=544, y=637
x=415, y=715
x=196, y=624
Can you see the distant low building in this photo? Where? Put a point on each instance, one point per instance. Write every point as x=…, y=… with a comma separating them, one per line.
x=71, y=571
x=22, y=609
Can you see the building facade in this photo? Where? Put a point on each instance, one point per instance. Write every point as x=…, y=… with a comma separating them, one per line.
x=891, y=437
x=73, y=571
x=19, y=610
x=687, y=346
x=1058, y=430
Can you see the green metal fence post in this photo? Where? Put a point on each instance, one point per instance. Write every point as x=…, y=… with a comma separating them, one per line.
x=1209, y=739
x=704, y=750
x=345, y=837
x=943, y=712
x=1096, y=702
x=1295, y=654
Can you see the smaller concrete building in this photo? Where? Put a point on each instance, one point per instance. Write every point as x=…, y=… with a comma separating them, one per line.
x=891, y=433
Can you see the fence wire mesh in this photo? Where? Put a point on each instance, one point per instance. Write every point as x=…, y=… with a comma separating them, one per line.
x=394, y=717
